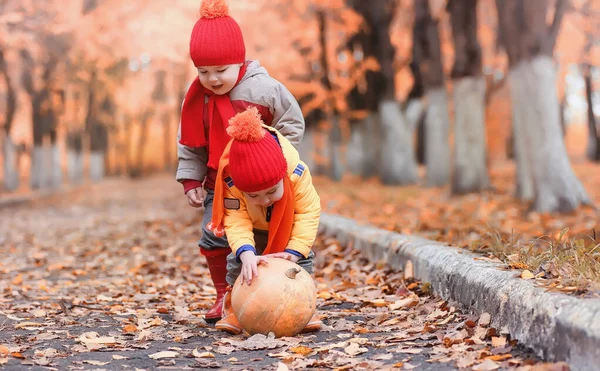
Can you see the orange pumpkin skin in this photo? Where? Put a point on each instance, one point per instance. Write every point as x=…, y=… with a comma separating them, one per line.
x=282, y=299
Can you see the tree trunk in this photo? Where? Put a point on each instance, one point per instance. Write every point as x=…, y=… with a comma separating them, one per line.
x=524, y=187
x=437, y=149
x=98, y=146
x=306, y=147
x=470, y=168
x=470, y=172
x=336, y=165
x=355, y=150
x=145, y=119
x=529, y=42
x=11, y=168
x=556, y=186
x=55, y=174
x=75, y=157
x=593, y=146
x=39, y=167
x=437, y=119
x=372, y=138
x=168, y=141
x=398, y=163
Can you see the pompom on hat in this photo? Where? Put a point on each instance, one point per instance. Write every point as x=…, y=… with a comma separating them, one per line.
x=216, y=37
x=256, y=160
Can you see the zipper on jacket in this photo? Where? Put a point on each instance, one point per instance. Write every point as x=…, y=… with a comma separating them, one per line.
x=269, y=210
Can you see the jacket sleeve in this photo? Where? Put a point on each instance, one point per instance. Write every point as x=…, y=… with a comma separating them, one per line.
x=237, y=223
x=287, y=115
x=307, y=215
x=192, y=161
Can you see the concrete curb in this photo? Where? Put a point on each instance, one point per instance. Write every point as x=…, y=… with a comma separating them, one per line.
x=557, y=327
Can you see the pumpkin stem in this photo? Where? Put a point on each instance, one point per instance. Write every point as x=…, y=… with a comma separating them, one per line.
x=292, y=272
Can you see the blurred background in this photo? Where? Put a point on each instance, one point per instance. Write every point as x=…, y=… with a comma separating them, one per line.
x=435, y=92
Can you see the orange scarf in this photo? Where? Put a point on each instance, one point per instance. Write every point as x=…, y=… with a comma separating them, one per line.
x=282, y=218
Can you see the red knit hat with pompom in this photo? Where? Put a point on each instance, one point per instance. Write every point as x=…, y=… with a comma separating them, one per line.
x=256, y=160
x=216, y=38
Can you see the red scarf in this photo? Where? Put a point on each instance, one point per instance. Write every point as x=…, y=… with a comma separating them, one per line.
x=192, y=119
x=282, y=218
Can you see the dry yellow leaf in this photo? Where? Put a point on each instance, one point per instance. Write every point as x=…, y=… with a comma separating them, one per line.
x=498, y=341
x=301, y=350
x=18, y=279
x=4, y=350
x=527, y=275
x=130, y=328
x=27, y=324
x=197, y=354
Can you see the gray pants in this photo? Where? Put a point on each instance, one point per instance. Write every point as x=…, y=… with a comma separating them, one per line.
x=234, y=267
x=208, y=240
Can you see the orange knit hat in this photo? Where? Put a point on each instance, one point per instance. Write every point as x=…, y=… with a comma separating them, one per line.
x=256, y=160
x=216, y=38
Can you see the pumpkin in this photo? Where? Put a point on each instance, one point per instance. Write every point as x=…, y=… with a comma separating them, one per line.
x=282, y=299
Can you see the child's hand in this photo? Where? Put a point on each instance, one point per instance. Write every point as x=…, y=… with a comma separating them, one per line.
x=250, y=263
x=284, y=255
x=196, y=197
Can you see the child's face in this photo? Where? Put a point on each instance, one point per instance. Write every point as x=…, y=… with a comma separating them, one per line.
x=219, y=79
x=267, y=197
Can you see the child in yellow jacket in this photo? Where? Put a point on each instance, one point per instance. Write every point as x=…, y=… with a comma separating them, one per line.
x=265, y=203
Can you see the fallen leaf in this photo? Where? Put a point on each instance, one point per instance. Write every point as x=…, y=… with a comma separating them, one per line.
x=487, y=365
x=197, y=354
x=47, y=353
x=407, y=302
x=42, y=361
x=377, y=303
x=527, y=275
x=355, y=349
x=301, y=350
x=118, y=357
x=130, y=329
x=3, y=361
x=164, y=354
x=4, y=350
x=18, y=279
x=383, y=357
x=225, y=350
x=410, y=351
x=18, y=355
x=467, y=361
x=408, y=366
x=498, y=342
x=282, y=367
x=500, y=357
x=485, y=319
x=38, y=313
x=27, y=325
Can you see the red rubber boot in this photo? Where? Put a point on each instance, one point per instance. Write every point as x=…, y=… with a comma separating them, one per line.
x=217, y=265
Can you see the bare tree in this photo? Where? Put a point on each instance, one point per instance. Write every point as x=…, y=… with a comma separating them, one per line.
x=393, y=137
x=591, y=29
x=437, y=120
x=544, y=172
x=470, y=172
x=10, y=150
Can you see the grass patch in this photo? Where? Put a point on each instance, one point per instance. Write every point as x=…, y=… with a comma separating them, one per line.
x=570, y=264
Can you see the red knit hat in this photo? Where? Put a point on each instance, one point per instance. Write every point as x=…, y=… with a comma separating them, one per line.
x=256, y=160
x=216, y=38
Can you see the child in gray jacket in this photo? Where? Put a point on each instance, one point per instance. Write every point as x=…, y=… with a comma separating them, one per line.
x=227, y=84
